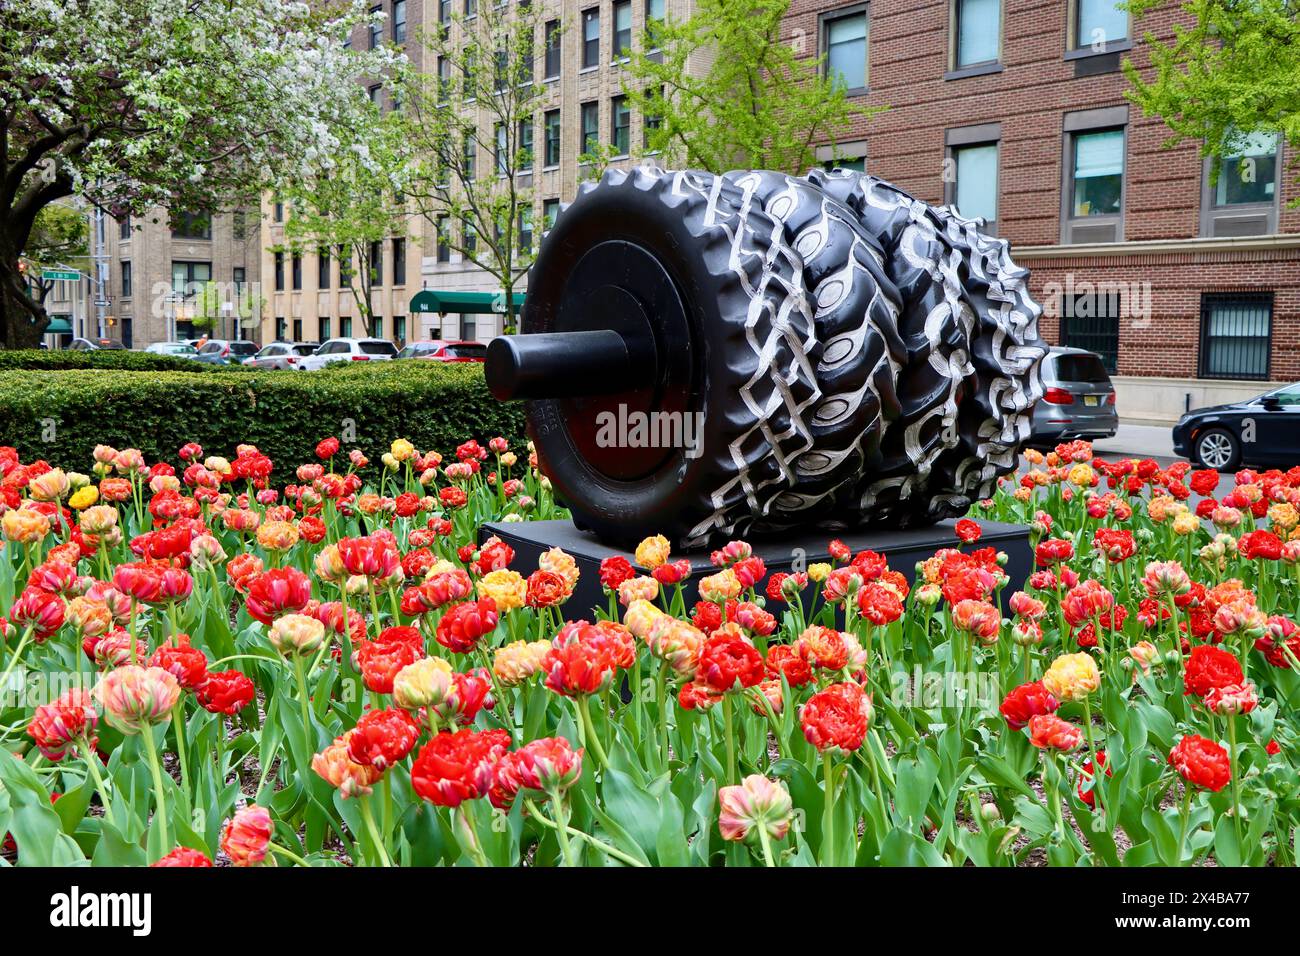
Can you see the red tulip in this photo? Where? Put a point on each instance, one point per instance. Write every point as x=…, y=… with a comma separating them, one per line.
x=455, y=767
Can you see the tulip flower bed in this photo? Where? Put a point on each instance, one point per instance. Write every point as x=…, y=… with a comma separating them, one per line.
x=208, y=661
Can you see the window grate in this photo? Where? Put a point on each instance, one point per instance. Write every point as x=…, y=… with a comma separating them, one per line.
x=1092, y=322
x=1236, y=335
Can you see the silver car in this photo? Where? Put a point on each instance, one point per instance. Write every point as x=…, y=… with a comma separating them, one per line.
x=1078, y=399
x=280, y=355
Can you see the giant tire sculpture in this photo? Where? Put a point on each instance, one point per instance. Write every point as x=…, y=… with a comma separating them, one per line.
x=709, y=356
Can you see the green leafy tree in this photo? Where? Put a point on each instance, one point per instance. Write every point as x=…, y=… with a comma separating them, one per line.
x=475, y=128
x=1232, y=70
x=354, y=203
x=759, y=103
x=134, y=104
x=58, y=237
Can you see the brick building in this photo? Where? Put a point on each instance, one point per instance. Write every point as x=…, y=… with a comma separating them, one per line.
x=1015, y=111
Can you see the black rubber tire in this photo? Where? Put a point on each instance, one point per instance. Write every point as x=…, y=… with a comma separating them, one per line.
x=855, y=310
x=1234, y=457
x=973, y=353
x=742, y=287
x=859, y=355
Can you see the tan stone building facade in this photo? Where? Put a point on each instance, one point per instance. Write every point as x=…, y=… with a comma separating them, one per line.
x=172, y=277
x=579, y=108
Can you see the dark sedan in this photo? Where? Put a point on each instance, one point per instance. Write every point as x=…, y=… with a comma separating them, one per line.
x=1264, y=430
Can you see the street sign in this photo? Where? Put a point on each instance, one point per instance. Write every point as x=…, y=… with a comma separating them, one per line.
x=69, y=275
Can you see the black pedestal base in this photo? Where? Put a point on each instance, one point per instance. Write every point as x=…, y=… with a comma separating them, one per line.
x=903, y=548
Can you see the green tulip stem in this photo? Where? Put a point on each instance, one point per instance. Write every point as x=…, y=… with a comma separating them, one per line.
x=160, y=799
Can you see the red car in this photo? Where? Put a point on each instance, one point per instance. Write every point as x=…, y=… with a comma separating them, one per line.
x=440, y=350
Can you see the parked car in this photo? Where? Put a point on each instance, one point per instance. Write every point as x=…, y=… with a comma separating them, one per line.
x=172, y=348
x=441, y=350
x=225, y=351
x=281, y=355
x=348, y=350
x=1264, y=430
x=91, y=345
x=1078, y=399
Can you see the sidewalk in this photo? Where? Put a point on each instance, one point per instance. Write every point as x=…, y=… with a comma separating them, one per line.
x=1138, y=441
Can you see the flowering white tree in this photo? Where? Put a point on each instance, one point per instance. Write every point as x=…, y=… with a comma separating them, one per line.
x=189, y=105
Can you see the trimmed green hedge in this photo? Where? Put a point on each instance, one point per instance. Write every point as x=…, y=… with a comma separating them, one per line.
x=60, y=416
x=122, y=359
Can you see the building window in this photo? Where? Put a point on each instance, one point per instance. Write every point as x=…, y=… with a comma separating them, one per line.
x=502, y=150
x=1242, y=199
x=590, y=37
x=471, y=8
x=126, y=280
x=1097, y=173
x=468, y=77
x=1092, y=175
x=500, y=70
x=652, y=122
x=622, y=29
x=444, y=11
x=467, y=332
x=124, y=228
x=241, y=278
x=1248, y=174
x=323, y=328
x=1090, y=321
x=1099, y=23
x=857, y=164
x=975, y=188
x=1236, y=334
x=279, y=212
x=399, y=262
x=296, y=270
x=399, y=21
x=399, y=329
x=376, y=27
x=525, y=225
x=377, y=262
x=526, y=146
x=590, y=130
x=654, y=18
x=345, y=267
x=552, y=151
x=550, y=211
x=297, y=330
x=188, y=278
x=444, y=79
x=238, y=225
x=279, y=272
x=444, y=241
x=192, y=225
x=377, y=326
x=552, y=62
x=373, y=93
x=345, y=326
x=469, y=237
x=323, y=267
x=978, y=32
x=620, y=125
x=844, y=38
x=471, y=157
x=281, y=328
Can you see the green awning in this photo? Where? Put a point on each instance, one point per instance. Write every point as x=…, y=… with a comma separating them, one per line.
x=59, y=324
x=429, y=300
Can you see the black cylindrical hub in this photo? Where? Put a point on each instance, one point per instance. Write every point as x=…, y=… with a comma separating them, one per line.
x=567, y=364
